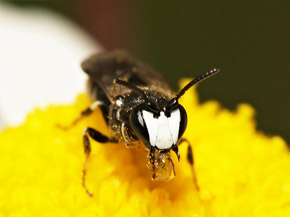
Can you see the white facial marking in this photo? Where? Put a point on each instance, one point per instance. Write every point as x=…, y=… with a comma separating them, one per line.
x=152, y=126
x=174, y=124
x=163, y=131
x=140, y=118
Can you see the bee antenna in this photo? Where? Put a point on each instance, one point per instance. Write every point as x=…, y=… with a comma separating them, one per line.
x=131, y=86
x=197, y=80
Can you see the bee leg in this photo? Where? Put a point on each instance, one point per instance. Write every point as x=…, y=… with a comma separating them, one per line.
x=190, y=160
x=99, y=137
x=152, y=160
x=129, y=138
x=83, y=114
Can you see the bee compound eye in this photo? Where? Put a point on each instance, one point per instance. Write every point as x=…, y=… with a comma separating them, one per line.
x=183, y=121
x=138, y=124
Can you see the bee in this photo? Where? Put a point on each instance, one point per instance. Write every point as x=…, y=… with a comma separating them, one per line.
x=139, y=107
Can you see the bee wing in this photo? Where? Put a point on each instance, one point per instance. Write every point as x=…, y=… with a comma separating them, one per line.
x=103, y=68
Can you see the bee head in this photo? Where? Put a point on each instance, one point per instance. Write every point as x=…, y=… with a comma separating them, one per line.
x=157, y=128
x=160, y=128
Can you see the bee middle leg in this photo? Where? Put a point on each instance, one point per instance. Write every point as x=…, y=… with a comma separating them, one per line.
x=190, y=160
x=99, y=137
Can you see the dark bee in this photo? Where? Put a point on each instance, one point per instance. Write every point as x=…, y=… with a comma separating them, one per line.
x=139, y=107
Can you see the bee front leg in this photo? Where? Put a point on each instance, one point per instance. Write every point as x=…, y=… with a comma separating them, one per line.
x=190, y=160
x=151, y=164
x=129, y=139
x=99, y=137
x=83, y=114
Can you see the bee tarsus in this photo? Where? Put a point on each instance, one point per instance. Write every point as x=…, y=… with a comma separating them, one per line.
x=99, y=137
x=190, y=160
x=82, y=115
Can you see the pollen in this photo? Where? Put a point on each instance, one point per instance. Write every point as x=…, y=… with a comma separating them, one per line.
x=240, y=171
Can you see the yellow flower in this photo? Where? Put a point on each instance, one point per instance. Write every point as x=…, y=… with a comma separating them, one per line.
x=241, y=172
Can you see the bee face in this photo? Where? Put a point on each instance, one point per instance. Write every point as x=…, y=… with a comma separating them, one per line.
x=159, y=129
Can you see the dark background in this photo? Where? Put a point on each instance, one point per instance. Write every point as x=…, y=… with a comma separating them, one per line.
x=249, y=40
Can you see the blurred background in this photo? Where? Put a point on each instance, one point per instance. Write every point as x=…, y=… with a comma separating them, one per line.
x=248, y=40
